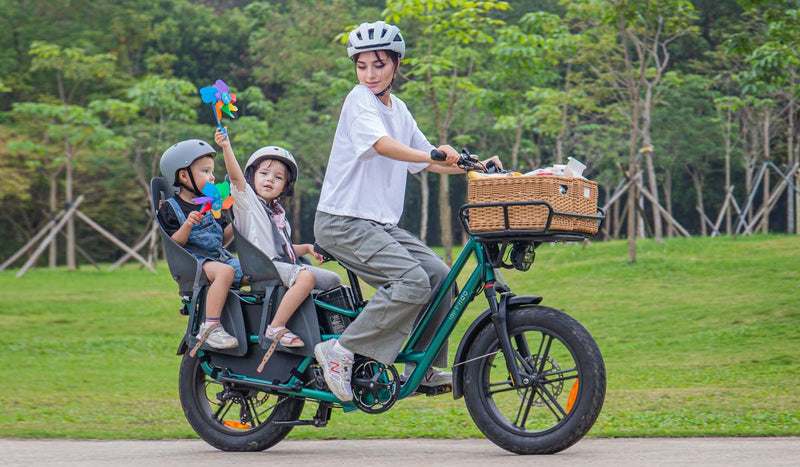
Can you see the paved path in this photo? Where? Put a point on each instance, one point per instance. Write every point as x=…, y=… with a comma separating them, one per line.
x=622, y=452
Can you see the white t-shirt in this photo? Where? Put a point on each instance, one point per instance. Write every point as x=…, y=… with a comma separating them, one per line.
x=253, y=222
x=359, y=182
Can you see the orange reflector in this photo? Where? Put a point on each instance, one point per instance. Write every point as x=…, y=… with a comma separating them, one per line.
x=237, y=425
x=573, y=394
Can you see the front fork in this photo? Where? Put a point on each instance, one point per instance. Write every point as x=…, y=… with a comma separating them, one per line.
x=499, y=317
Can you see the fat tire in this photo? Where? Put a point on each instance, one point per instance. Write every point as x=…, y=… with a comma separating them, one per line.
x=578, y=421
x=191, y=381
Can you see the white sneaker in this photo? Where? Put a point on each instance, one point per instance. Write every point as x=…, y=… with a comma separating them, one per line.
x=432, y=377
x=337, y=368
x=218, y=338
x=435, y=378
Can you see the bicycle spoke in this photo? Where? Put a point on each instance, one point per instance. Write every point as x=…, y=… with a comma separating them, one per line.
x=545, y=352
x=220, y=414
x=552, y=400
x=545, y=378
x=527, y=408
x=522, y=404
x=523, y=352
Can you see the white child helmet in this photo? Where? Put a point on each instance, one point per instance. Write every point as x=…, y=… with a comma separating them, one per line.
x=275, y=153
x=376, y=36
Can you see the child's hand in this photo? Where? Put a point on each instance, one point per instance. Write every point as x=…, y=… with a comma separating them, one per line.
x=320, y=259
x=222, y=138
x=194, y=218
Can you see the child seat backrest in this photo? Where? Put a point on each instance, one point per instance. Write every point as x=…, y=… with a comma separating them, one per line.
x=182, y=264
x=256, y=266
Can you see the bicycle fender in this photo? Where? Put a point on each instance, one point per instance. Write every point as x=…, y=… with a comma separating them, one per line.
x=182, y=347
x=483, y=320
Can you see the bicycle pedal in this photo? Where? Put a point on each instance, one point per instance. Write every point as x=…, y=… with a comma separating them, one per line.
x=431, y=391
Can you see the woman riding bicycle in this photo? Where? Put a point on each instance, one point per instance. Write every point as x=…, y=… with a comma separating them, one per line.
x=377, y=142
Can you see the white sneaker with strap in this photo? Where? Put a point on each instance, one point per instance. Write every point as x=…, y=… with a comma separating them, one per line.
x=217, y=338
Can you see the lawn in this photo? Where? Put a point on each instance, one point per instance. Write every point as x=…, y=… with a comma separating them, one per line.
x=700, y=338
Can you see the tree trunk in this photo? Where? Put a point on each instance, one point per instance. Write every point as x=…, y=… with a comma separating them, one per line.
x=651, y=170
x=697, y=180
x=668, y=201
x=71, y=264
x=52, y=259
x=790, y=207
x=297, y=205
x=425, y=195
x=515, y=147
x=728, y=125
x=444, y=218
x=765, y=220
x=632, y=191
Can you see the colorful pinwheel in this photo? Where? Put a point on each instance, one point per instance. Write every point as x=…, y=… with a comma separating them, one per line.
x=223, y=100
x=217, y=197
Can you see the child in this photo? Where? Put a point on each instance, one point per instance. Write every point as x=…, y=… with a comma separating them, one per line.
x=268, y=176
x=190, y=165
x=377, y=143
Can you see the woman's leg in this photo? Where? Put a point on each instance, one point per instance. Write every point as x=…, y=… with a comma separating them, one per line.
x=401, y=284
x=437, y=272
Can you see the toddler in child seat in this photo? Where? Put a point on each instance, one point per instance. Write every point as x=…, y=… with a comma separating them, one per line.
x=268, y=177
x=189, y=165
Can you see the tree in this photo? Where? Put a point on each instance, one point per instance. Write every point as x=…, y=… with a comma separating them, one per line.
x=627, y=49
x=73, y=126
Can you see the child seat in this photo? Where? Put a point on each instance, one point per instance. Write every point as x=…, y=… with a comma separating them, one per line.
x=187, y=271
x=265, y=282
x=183, y=267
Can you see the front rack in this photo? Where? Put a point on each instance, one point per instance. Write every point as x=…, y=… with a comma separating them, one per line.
x=537, y=235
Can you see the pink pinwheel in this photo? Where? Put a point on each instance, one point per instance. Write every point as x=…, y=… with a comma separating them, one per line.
x=217, y=197
x=219, y=95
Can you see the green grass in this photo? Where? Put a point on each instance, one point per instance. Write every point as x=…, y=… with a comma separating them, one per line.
x=700, y=338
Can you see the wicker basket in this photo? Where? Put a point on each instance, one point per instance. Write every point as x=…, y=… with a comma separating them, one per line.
x=565, y=195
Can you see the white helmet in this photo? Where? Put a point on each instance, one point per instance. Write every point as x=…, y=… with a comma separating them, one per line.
x=275, y=153
x=376, y=36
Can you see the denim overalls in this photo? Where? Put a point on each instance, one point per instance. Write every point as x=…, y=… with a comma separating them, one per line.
x=207, y=237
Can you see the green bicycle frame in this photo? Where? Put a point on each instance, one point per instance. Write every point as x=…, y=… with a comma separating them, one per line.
x=482, y=274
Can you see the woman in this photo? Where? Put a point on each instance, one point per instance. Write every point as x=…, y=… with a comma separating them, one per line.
x=377, y=143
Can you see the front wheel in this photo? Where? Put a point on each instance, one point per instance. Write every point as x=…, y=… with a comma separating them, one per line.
x=233, y=417
x=565, y=391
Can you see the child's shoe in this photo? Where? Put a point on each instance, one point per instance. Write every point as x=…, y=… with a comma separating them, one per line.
x=285, y=337
x=217, y=338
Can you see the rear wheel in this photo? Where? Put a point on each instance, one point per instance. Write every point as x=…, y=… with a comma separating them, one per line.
x=563, y=397
x=233, y=417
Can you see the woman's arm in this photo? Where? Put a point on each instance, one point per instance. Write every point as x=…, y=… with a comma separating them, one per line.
x=393, y=149
x=456, y=170
x=231, y=164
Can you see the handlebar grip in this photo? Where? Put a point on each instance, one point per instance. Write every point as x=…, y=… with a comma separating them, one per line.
x=437, y=155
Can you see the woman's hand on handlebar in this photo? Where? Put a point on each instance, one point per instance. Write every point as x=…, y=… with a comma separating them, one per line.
x=451, y=156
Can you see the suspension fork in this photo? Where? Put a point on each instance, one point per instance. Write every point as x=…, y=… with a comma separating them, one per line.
x=499, y=317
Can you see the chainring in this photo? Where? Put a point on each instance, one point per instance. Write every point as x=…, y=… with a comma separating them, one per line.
x=375, y=386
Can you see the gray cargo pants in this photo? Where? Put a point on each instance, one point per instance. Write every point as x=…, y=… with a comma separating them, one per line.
x=404, y=272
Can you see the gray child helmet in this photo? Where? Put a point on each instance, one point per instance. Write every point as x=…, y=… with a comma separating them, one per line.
x=181, y=156
x=276, y=153
x=376, y=36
